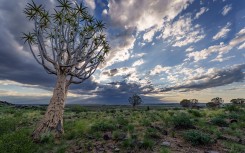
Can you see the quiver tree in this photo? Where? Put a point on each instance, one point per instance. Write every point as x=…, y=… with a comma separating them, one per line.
x=68, y=43
x=135, y=100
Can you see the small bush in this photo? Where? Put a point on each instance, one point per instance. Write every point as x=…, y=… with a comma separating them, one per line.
x=165, y=150
x=7, y=125
x=103, y=126
x=232, y=108
x=197, y=137
x=122, y=121
x=195, y=113
x=147, y=143
x=145, y=122
x=47, y=138
x=77, y=109
x=17, y=142
x=182, y=121
x=152, y=133
x=130, y=128
x=129, y=143
x=219, y=121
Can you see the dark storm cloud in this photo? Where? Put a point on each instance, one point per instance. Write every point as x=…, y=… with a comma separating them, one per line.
x=16, y=63
x=219, y=78
x=117, y=92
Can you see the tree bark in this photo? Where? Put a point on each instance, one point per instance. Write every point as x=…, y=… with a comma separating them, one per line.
x=52, y=122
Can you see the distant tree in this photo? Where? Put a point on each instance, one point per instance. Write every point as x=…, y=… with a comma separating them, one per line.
x=69, y=43
x=215, y=102
x=189, y=103
x=185, y=103
x=238, y=101
x=194, y=103
x=135, y=100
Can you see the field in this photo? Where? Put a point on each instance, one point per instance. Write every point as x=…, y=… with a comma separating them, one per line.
x=122, y=129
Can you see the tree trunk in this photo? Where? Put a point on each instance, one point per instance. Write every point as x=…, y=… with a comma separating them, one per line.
x=52, y=122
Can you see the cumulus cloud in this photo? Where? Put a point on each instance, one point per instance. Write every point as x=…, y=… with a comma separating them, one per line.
x=223, y=32
x=221, y=49
x=226, y=10
x=158, y=69
x=213, y=78
x=189, y=49
x=182, y=32
x=202, y=11
x=138, y=63
x=242, y=46
x=137, y=16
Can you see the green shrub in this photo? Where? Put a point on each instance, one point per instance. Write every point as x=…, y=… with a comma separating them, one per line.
x=129, y=143
x=47, y=138
x=122, y=121
x=145, y=122
x=147, y=143
x=152, y=133
x=78, y=109
x=7, y=125
x=182, y=121
x=234, y=115
x=195, y=113
x=103, y=126
x=17, y=142
x=219, y=121
x=164, y=150
x=197, y=137
x=232, y=108
x=130, y=128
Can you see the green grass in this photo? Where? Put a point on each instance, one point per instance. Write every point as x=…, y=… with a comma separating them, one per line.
x=139, y=130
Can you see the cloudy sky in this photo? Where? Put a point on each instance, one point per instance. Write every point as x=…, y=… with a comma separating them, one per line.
x=164, y=50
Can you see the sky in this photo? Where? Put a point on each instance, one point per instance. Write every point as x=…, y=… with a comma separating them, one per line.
x=163, y=50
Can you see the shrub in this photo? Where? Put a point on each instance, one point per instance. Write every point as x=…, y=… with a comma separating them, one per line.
x=219, y=121
x=231, y=108
x=195, y=113
x=147, y=143
x=129, y=143
x=145, y=122
x=7, y=125
x=78, y=109
x=103, y=126
x=182, y=121
x=197, y=137
x=17, y=142
x=122, y=121
x=152, y=133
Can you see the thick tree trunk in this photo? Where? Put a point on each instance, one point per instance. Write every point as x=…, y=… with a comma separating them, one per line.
x=52, y=122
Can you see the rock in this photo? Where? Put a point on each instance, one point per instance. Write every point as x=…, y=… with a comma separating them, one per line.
x=107, y=136
x=166, y=144
x=211, y=151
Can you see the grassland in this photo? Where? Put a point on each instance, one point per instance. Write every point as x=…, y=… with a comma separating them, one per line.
x=121, y=129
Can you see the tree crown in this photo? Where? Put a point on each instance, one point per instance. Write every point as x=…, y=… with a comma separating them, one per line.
x=68, y=41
